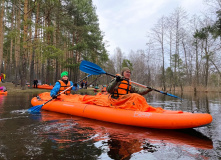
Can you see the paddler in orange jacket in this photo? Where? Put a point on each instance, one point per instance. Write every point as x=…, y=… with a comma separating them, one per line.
x=63, y=84
x=124, y=95
x=121, y=85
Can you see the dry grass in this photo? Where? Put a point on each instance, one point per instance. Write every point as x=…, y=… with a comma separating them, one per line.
x=199, y=89
x=12, y=89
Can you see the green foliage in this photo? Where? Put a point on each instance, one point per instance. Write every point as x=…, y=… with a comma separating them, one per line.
x=127, y=63
x=49, y=29
x=79, y=46
x=215, y=80
x=87, y=35
x=202, y=34
x=11, y=34
x=72, y=66
x=104, y=56
x=215, y=29
x=52, y=52
x=169, y=72
x=66, y=27
x=177, y=62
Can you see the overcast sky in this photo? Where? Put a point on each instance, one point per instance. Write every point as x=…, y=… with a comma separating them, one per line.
x=125, y=23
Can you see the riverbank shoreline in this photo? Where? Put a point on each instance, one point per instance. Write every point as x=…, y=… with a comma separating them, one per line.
x=12, y=89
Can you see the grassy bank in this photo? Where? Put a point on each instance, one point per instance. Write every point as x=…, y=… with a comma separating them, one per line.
x=12, y=89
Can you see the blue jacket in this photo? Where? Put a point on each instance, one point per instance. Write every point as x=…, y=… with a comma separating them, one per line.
x=57, y=87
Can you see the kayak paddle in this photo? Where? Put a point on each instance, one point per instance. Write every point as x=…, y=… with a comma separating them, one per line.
x=94, y=69
x=38, y=107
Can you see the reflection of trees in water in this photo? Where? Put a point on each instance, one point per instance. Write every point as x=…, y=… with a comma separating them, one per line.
x=2, y=99
x=31, y=139
x=199, y=102
x=149, y=147
x=67, y=140
x=18, y=102
x=76, y=150
x=48, y=140
x=120, y=149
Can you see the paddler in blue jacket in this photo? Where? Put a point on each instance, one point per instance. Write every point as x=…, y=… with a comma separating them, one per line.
x=63, y=84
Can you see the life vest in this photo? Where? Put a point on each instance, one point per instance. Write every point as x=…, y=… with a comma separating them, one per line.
x=104, y=89
x=123, y=88
x=64, y=86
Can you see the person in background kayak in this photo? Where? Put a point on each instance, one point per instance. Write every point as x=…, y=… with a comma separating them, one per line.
x=103, y=89
x=121, y=85
x=2, y=78
x=63, y=84
x=3, y=89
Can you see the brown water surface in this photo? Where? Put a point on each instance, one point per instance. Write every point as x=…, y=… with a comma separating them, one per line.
x=50, y=135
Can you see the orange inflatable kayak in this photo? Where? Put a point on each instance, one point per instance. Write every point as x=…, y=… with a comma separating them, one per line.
x=168, y=119
x=44, y=86
x=188, y=137
x=3, y=93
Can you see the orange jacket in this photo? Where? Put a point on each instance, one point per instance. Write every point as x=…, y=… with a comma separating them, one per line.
x=64, y=86
x=104, y=89
x=123, y=88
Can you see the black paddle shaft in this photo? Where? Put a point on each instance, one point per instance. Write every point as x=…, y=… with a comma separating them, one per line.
x=165, y=93
x=94, y=69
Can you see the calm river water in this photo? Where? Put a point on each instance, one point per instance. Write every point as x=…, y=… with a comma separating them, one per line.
x=53, y=136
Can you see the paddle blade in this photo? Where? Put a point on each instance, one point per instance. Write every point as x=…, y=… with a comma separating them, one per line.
x=91, y=68
x=168, y=94
x=35, y=108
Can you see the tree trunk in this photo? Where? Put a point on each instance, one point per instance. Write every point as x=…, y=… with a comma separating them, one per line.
x=186, y=63
x=11, y=64
x=162, y=47
x=1, y=33
x=197, y=68
x=17, y=46
x=206, y=67
x=32, y=71
x=25, y=48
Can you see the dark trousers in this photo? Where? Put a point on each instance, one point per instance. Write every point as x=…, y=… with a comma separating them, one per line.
x=35, y=85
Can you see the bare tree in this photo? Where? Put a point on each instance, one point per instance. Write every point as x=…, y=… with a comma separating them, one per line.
x=118, y=59
x=179, y=17
x=159, y=33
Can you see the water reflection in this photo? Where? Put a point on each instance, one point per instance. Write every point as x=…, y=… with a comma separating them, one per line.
x=190, y=103
x=50, y=135
x=2, y=100
x=65, y=131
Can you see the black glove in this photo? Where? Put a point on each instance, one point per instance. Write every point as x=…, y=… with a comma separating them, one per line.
x=150, y=88
x=75, y=84
x=54, y=96
x=119, y=78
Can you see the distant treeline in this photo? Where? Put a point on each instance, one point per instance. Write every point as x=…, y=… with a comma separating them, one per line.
x=182, y=50
x=41, y=38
